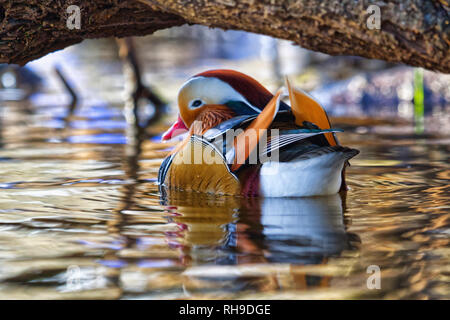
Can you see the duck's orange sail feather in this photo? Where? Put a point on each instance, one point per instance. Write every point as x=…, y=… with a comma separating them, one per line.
x=246, y=142
x=306, y=108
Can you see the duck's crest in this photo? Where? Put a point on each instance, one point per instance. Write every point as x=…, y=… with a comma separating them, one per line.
x=252, y=90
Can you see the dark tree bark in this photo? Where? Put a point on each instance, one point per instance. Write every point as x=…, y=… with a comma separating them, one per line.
x=414, y=32
x=29, y=29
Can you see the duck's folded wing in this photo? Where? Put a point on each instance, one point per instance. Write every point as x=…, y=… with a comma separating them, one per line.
x=220, y=131
x=231, y=124
x=309, y=151
x=287, y=137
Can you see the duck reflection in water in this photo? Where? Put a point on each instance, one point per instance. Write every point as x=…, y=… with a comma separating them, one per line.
x=243, y=231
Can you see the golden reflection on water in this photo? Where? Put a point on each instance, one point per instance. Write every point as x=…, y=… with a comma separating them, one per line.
x=96, y=208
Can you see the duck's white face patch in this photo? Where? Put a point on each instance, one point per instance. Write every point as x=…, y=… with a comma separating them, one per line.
x=199, y=91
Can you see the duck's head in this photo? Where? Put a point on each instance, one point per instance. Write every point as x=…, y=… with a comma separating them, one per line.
x=219, y=91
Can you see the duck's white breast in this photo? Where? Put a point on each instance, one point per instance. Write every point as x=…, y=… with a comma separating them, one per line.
x=302, y=178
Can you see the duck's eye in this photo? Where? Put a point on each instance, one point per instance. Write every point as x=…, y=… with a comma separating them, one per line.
x=196, y=103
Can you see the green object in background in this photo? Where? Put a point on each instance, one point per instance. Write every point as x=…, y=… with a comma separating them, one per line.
x=419, y=107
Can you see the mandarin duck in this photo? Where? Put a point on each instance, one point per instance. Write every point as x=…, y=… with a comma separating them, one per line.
x=242, y=140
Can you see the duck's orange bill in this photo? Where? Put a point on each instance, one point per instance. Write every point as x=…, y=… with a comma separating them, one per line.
x=246, y=142
x=306, y=108
x=176, y=129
